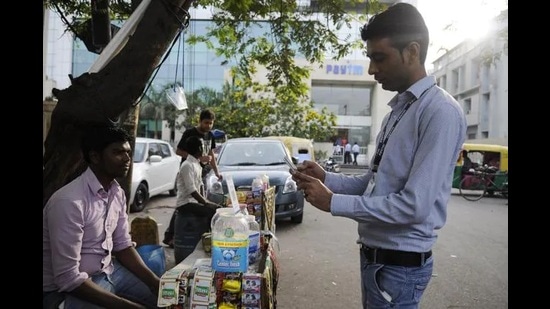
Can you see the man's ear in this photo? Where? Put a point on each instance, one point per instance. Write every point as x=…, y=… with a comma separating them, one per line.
x=413, y=52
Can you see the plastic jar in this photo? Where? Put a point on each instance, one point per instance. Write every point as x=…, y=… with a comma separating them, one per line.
x=230, y=243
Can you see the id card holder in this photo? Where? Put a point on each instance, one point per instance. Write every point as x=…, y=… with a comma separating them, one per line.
x=370, y=185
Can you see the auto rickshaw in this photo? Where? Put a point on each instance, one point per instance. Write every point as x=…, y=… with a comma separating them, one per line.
x=483, y=155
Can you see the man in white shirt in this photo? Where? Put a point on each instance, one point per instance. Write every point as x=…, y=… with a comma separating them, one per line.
x=355, y=149
x=347, y=153
x=194, y=211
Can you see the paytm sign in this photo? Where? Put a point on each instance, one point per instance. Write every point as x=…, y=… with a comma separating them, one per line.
x=344, y=69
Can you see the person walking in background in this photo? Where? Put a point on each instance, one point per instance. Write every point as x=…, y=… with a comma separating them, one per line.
x=347, y=153
x=88, y=256
x=355, y=149
x=203, y=131
x=401, y=201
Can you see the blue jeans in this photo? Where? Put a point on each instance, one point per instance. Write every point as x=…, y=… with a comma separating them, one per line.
x=396, y=287
x=122, y=283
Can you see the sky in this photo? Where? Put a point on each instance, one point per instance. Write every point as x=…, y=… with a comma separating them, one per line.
x=470, y=17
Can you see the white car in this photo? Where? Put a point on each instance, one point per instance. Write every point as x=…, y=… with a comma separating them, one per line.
x=155, y=168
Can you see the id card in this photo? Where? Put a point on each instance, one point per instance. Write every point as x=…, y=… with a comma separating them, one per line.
x=370, y=185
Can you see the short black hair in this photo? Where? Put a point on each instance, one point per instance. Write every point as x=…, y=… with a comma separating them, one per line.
x=207, y=114
x=99, y=137
x=194, y=145
x=402, y=23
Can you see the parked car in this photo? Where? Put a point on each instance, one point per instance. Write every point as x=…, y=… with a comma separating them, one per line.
x=155, y=168
x=248, y=158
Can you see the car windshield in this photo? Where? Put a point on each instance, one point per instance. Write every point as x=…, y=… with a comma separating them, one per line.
x=246, y=154
x=139, y=152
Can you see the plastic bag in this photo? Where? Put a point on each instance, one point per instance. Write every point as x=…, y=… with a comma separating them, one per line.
x=154, y=257
x=176, y=96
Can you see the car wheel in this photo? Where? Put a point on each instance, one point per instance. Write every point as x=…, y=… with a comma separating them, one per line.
x=174, y=191
x=298, y=218
x=140, y=199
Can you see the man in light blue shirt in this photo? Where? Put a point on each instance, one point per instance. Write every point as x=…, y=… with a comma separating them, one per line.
x=402, y=200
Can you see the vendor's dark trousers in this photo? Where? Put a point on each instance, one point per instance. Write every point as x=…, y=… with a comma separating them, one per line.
x=190, y=222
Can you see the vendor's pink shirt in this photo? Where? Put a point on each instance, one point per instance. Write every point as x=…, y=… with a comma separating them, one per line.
x=82, y=225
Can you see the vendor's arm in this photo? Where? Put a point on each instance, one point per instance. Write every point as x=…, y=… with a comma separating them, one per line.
x=65, y=223
x=214, y=165
x=130, y=259
x=434, y=160
x=127, y=255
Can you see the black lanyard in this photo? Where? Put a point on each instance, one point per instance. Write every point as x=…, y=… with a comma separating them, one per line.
x=384, y=140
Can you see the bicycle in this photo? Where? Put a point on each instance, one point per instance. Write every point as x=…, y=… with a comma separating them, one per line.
x=483, y=181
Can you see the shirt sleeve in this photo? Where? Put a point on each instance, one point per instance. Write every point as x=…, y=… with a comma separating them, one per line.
x=429, y=175
x=121, y=234
x=66, y=230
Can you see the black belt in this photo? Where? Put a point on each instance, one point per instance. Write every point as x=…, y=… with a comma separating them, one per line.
x=395, y=257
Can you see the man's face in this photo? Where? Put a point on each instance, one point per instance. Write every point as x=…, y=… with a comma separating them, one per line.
x=388, y=65
x=114, y=161
x=206, y=125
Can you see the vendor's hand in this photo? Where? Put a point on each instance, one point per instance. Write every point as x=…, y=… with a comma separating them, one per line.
x=315, y=192
x=205, y=159
x=219, y=176
x=312, y=169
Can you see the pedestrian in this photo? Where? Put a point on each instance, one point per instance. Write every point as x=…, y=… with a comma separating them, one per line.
x=202, y=130
x=347, y=153
x=401, y=201
x=88, y=256
x=191, y=202
x=355, y=149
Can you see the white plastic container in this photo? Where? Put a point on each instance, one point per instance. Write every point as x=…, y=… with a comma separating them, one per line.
x=228, y=210
x=230, y=243
x=254, y=240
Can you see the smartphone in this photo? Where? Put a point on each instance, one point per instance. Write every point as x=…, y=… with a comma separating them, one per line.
x=292, y=166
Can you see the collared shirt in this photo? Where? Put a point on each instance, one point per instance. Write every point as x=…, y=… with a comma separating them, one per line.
x=82, y=225
x=189, y=180
x=355, y=148
x=413, y=182
x=347, y=147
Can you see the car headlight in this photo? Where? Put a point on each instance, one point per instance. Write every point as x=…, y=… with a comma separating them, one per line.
x=214, y=185
x=290, y=185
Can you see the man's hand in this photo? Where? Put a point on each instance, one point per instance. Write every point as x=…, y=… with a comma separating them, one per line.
x=315, y=192
x=205, y=159
x=312, y=169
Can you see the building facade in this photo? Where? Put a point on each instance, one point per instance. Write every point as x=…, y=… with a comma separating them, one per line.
x=476, y=74
x=343, y=86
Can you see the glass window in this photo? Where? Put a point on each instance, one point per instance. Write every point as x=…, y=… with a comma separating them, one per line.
x=165, y=150
x=139, y=152
x=350, y=99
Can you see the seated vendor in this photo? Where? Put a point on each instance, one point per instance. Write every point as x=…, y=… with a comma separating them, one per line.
x=88, y=257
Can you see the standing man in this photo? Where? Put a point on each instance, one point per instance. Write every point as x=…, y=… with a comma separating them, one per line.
x=347, y=153
x=203, y=131
x=85, y=227
x=355, y=149
x=401, y=201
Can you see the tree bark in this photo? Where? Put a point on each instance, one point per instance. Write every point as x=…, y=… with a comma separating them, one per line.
x=109, y=95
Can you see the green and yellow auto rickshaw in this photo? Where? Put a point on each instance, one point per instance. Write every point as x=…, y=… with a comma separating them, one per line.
x=483, y=157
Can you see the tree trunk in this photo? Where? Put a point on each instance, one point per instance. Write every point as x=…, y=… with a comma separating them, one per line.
x=109, y=95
